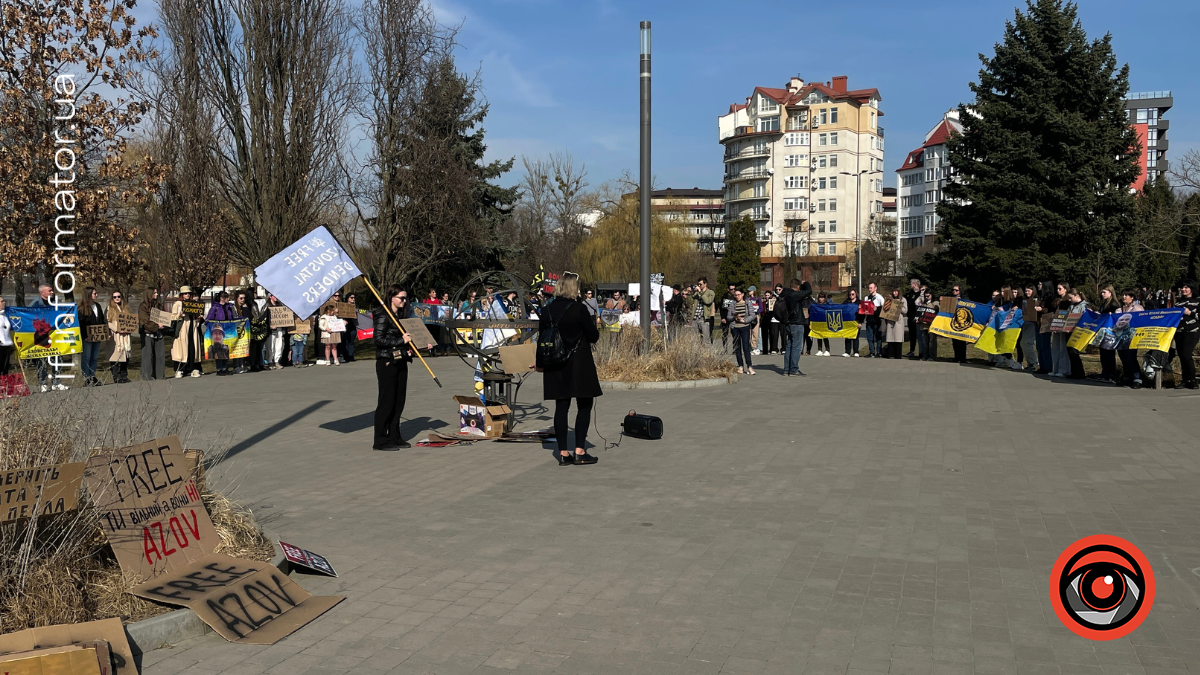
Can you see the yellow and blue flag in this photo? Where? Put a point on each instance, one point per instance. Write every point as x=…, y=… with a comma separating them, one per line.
x=1152, y=329
x=964, y=321
x=1002, y=332
x=42, y=332
x=1091, y=329
x=833, y=321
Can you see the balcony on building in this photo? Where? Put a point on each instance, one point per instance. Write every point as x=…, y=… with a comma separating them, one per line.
x=747, y=198
x=744, y=175
x=761, y=232
x=752, y=151
x=1163, y=124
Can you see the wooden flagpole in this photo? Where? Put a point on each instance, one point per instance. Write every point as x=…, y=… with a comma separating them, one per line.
x=402, y=331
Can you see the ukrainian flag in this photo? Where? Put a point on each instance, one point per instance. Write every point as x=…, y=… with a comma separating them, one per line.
x=1089, y=325
x=1002, y=332
x=963, y=320
x=833, y=321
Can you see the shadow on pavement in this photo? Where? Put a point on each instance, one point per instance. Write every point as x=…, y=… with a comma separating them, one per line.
x=275, y=428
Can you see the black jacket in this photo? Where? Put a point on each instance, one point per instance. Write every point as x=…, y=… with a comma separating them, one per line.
x=1190, y=323
x=578, y=378
x=388, y=338
x=796, y=301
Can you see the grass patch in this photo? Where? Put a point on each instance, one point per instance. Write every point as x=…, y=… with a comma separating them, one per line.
x=686, y=356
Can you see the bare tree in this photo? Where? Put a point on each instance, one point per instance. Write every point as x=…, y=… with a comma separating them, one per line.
x=276, y=83
x=549, y=222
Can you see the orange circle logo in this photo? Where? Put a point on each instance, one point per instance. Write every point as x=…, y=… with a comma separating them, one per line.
x=1102, y=587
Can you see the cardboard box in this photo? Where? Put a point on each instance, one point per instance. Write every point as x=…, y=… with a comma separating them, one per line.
x=479, y=420
x=116, y=658
x=73, y=660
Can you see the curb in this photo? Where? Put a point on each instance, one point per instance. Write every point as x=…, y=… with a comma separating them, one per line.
x=182, y=624
x=675, y=384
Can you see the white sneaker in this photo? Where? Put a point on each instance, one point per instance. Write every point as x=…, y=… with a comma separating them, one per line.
x=45, y=389
x=756, y=352
x=195, y=373
x=825, y=353
x=1016, y=365
x=60, y=387
x=846, y=354
x=321, y=362
x=178, y=374
x=855, y=355
x=336, y=362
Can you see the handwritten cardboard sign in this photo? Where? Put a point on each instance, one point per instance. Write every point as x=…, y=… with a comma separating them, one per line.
x=519, y=359
x=307, y=559
x=149, y=507
x=420, y=334
x=948, y=304
x=41, y=491
x=1060, y=320
x=116, y=658
x=194, y=307
x=1029, y=309
x=891, y=310
x=282, y=317
x=68, y=660
x=127, y=323
x=160, y=317
x=97, y=333
x=302, y=327
x=242, y=600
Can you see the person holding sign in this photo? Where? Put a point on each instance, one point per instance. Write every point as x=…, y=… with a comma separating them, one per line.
x=1188, y=333
x=1130, y=372
x=6, y=339
x=1108, y=356
x=331, y=333
x=1077, y=308
x=187, y=350
x=152, y=338
x=392, y=356
x=91, y=314
x=893, y=314
x=120, y=357
x=278, y=337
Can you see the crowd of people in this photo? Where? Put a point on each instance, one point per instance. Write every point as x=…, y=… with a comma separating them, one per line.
x=777, y=322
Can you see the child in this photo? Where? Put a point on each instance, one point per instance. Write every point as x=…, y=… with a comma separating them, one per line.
x=330, y=334
x=298, y=342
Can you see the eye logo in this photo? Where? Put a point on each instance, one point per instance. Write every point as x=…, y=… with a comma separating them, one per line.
x=1102, y=587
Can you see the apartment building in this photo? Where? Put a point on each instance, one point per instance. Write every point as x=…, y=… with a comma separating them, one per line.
x=1146, y=110
x=919, y=184
x=805, y=163
x=701, y=211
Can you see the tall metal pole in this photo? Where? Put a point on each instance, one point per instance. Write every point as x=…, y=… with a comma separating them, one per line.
x=644, y=187
x=858, y=228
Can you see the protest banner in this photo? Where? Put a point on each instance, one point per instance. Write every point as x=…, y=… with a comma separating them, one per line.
x=961, y=319
x=244, y=601
x=192, y=307
x=115, y=659
x=282, y=317
x=1152, y=329
x=305, y=274
x=833, y=321
x=891, y=310
x=39, y=491
x=307, y=559
x=1002, y=332
x=610, y=320
x=67, y=660
x=41, y=332
x=127, y=323
x=1059, y=320
x=226, y=339
x=97, y=333
x=420, y=334
x=160, y=317
x=1087, y=331
x=149, y=507
x=433, y=315
x=925, y=314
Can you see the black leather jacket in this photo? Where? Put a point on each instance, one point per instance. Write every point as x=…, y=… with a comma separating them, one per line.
x=388, y=337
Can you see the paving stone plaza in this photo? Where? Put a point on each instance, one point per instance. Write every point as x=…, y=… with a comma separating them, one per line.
x=873, y=517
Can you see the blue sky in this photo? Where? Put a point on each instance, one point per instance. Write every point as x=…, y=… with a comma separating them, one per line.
x=562, y=74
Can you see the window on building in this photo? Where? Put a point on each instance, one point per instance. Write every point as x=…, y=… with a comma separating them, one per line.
x=792, y=205
x=820, y=249
x=823, y=139
x=820, y=204
x=819, y=183
x=768, y=123
x=795, y=138
x=821, y=226
x=833, y=182
x=873, y=122
x=795, y=160
x=832, y=247
x=761, y=147
x=929, y=196
x=1151, y=138
x=832, y=226
x=833, y=115
x=767, y=105
x=929, y=175
x=833, y=205
x=821, y=161
x=760, y=188
x=833, y=157
x=794, y=182
x=929, y=154
x=833, y=138
x=929, y=223
x=824, y=113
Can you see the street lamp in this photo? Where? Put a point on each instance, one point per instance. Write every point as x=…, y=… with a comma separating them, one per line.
x=645, y=178
x=858, y=218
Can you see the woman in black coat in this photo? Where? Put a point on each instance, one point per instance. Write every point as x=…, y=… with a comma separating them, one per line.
x=576, y=379
x=393, y=353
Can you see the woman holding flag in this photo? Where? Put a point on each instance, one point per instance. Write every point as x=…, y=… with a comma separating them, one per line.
x=1078, y=306
x=392, y=356
x=1188, y=333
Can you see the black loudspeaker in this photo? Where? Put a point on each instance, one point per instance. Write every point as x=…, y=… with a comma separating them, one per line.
x=642, y=426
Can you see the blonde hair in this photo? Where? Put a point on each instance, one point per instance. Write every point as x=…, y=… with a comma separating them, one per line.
x=568, y=286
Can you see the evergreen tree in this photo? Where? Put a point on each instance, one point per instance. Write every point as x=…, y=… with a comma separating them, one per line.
x=1159, y=262
x=1044, y=163
x=741, y=265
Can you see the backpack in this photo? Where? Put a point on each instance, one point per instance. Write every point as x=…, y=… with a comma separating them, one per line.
x=552, y=350
x=779, y=311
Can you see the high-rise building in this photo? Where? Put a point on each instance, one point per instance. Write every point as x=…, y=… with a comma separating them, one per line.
x=701, y=211
x=919, y=184
x=805, y=163
x=1146, y=110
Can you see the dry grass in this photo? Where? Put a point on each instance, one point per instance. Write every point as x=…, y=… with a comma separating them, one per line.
x=60, y=569
x=684, y=357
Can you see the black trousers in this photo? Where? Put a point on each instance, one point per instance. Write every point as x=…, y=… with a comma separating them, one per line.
x=583, y=419
x=1185, y=346
x=6, y=352
x=772, y=336
x=960, y=350
x=393, y=390
x=912, y=336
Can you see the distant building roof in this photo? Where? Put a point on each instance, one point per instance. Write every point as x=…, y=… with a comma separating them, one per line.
x=941, y=134
x=687, y=192
x=914, y=159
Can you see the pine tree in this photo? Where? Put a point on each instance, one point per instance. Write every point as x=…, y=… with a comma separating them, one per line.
x=1044, y=163
x=741, y=265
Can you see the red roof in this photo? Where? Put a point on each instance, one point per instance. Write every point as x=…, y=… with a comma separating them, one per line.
x=778, y=95
x=915, y=158
x=941, y=134
x=787, y=98
x=736, y=107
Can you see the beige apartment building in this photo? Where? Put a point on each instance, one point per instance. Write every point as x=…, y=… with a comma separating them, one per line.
x=805, y=163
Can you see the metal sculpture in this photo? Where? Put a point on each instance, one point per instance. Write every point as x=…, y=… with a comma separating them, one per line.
x=503, y=314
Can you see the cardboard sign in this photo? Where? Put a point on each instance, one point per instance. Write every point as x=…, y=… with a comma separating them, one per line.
x=127, y=323
x=160, y=317
x=71, y=660
x=1045, y=323
x=244, y=601
x=282, y=317
x=1029, y=308
x=346, y=310
x=302, y=327
x=519, y=358
x=477, y=419
x=40, y=491
x=1070, y=322
x=193, y=307
x=1059, y=320
x=115, y=659
x=420, y=334
x=925, y=314
x=97, y=333
x=308, y=559
x=890, y=310
x=948, y=304
x=150, y=508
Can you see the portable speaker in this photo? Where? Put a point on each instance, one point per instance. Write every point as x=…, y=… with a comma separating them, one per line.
x=642, y=426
